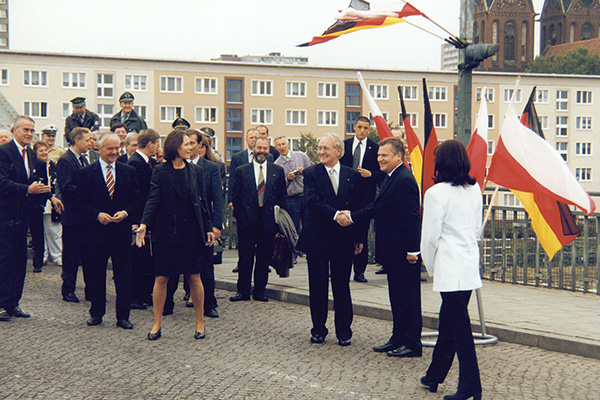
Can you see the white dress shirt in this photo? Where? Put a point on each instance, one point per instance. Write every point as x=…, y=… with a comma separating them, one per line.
x=103, y=165
x=363, y=149
x=26, y=161
x=257, y=171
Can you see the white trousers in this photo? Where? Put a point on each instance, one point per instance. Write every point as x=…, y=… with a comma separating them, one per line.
x=52, y=240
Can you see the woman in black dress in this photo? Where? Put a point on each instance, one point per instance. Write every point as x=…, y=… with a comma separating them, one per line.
x=177, y=215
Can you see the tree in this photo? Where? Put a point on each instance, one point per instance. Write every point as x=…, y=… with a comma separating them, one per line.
x=309, y=145
x=580, y=61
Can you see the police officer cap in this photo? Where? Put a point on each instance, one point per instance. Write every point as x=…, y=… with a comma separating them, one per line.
x=78, y=102
x=126, y=97
x=49, y=130
x=209, y=131
x=180, y=123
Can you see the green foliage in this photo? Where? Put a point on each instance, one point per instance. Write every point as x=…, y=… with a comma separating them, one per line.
x=309, y=145
x=373, y=131
x=579, y=61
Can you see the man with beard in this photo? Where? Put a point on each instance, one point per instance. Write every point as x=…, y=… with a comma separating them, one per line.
x=257, y=188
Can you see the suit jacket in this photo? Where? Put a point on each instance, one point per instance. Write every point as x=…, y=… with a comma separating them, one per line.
x=397, y=216
x=123, y=158
x=322, y=234
x=239, y=158
x=15, y=204
x=245, y=197
x=93, y=198
x=93, y=156
x=368, y=186
x=163, y=214
x=143, y=175
x=66, y=169
x=91, y=120
x=213, y=190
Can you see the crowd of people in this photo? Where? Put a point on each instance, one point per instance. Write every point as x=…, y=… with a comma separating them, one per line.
x=156, y=213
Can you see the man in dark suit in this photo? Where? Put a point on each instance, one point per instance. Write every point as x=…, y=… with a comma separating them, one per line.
x=328, y=188
x=263, y=131
x=73, y=226
x=258, y=187
x=142, y=261
x=21, y=191
x=360, y=153
x=108, y=195
x=131, y=143
x=398, y=227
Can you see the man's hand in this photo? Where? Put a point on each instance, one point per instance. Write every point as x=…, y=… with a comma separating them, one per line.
x=159, y=155
x=211, y=239
x=358, y=247
x=365, y=173
x=134, y=228
x=119, y=216
x=58, y=205
x=230, y=206
x=291, y=176
x=217, y=232
x=104, y=218
x=343, y=218
x=300, y=170
x=38, y=188
x=412, y=259
x=140, y=236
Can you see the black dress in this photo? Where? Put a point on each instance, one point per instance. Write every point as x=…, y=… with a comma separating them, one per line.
x=185, y=257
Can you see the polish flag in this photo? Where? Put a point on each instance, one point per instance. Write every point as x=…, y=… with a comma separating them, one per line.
x=383, y=130
x=477, y=149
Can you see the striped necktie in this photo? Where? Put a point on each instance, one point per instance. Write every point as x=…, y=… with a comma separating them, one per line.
x=110, y=181
x=261, y=187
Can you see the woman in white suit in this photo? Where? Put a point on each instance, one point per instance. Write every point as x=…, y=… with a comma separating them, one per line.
x=452, y=211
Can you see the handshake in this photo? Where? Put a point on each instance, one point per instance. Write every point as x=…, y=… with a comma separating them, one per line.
x=343, y=218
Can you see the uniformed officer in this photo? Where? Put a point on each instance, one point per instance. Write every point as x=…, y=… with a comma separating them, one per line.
x=127, y=115
x=180, y=123
x=81, y=118
x=49, y=136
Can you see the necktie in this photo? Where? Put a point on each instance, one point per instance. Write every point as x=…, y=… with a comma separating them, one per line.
x=261, y=187
x=121, y=151
x=356, y=157
x=333, y=180
x=23, y=152
x=83, y=161
x=110, y=181
x=24, y=155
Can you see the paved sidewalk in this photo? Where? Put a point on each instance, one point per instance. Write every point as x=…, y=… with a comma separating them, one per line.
x=551, y=319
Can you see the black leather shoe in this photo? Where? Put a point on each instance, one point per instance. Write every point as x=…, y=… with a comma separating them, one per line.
x=236, y=269
x=138, y=305
x=429, y=383
x=403, y=351
x=17, y=312
x=239, y=297
x=212, y=313
x=93, y=321
x=39, y=269
x=199, y=335
x=384, y=348
x=460, y=396
x=71, y=298
x=381, y=271
x=4, y=315
x=360, y=278
x=189, y=304
x=344, y=342
x=258, y=297
x=186, y=297
x=154, y=336
x=316, y=338
x=125, y=324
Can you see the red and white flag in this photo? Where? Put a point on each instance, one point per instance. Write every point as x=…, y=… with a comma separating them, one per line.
x=477, y=149
x=383, y=130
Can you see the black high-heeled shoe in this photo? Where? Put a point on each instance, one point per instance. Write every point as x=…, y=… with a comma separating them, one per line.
x=429, y=383
x=460, y=396
x=199, y=335
x=154, y=336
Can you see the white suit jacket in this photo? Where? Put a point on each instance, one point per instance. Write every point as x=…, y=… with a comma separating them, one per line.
x=451, y=223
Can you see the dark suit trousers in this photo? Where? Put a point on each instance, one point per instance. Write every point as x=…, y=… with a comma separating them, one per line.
x=13, y=263
x=404, y=285
x=36, y=228
x=319, y=268
x=73, y=255
x=254, y=243
x=143, y=274
x=455, y=336
x=360, y=260
x=120, y=255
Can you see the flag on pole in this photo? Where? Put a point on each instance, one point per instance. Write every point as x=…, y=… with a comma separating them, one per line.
x=415, y=150
x=431, y=143
x=477, y=149
x=357, y=17
x=526, y=163
x=383, y=130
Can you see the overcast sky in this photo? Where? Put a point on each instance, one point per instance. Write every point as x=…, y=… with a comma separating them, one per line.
x=203, y=29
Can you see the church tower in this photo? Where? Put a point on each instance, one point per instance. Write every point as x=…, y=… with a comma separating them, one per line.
x=566, y=21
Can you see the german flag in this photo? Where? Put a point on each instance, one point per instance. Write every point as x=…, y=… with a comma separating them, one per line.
x=431, y=143
x=415, y=150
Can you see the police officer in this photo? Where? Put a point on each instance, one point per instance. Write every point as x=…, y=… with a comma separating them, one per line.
x=81, y=118
x=49, y=136
x=127, y=115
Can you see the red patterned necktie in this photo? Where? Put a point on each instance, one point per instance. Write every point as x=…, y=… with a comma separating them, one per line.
x=110, y=181
x=261, y=187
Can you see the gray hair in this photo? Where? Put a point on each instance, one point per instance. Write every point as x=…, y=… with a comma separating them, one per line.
x=107, y=135
x=281, y=137
x=261, y=138
x=337, y=142
x=18, y=121
x=131, y=136
x=4, y=130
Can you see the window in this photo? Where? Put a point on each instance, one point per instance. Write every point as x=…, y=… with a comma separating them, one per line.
x=234, y=120
x=262, y=88
x=170, y=113
x=327, y=118
x=491, y=121
x=3, y=41
x=379, y=92
x=583, y=174
x=295, y=117
x=439, y=120
x=384, y=114
x=509, y=44
x=562, y=149
x=437, y=93
x=206, y=114
x=206, y=85
x=584, y=97
x=351, y=117
x=3, y=27
x=262, y=116
x=234, y=91
x=234, y=144
x=171, y=84
x=508, y=94
x=490, y=147
x=73, y=80
x=487, y=199
x=561, y=126
x=541, y=96
x=35, y=78
x=543, y=122
x=3, y=77
x=510, y=200
x=489, y=94
x=295, y=144
x=583, y=148
x=105, y=86
x=105, y=112
x=326, y=89
x=140, y=110
x=353, y=95
x=413, y=118
x=35, y=109
x=583, y=123
x=295, y=89
x=66, y=109
x=410, y=93
x=136, y=82
x=562, y=98
x=3, y=12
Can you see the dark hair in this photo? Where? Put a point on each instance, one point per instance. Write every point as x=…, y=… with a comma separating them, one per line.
x=117, y=126
x=210, y=154
x=146, y=137
x=452, y=164
x=39, y=144
x=77, y=134
x=362, y=118
x=173, y=141
x=396, y=144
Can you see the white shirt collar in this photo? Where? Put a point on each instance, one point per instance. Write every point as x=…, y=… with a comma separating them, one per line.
x=398, y=166
x=336, y=168
x=145, y=157
x=19, y=146
x=103, y=164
